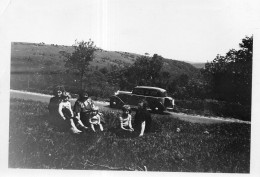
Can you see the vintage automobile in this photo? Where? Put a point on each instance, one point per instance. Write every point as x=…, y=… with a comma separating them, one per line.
x=157, y=98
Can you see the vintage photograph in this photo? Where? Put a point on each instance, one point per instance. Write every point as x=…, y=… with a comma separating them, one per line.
x=148, y=85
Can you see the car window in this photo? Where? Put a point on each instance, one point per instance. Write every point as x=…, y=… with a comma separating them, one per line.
x=164, y=94
x=149, y=92
x=138, y=91
x=153, y=93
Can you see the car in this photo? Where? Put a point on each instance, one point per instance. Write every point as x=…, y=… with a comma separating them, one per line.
x=157, y=98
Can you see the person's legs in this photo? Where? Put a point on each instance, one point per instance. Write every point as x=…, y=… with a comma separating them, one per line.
x=101, y=127
x=69, y=121
x=92, y=127
x=73, y=127
x=84, y=120
x=81, y=124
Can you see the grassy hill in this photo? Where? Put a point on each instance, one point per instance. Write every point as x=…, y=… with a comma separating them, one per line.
x=34, y=64
x=31, y=57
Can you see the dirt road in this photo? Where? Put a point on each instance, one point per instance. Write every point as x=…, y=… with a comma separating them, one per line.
x=105, y=106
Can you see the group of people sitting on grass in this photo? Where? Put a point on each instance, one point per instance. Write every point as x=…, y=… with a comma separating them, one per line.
x=86, y=114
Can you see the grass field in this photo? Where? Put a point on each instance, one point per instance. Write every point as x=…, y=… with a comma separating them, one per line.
x=34, y=143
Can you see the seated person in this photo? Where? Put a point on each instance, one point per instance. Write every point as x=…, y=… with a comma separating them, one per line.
x=66, y=113
x=55, y=101
x=95, y=119
x=143, y=118
x=83, y=107
x=126, y=119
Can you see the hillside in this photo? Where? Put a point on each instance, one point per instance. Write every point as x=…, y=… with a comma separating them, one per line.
x=32, y=57
x=38, y=67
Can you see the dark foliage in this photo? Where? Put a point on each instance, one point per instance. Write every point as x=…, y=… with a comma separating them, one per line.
x=230, y=76
x=79, y=60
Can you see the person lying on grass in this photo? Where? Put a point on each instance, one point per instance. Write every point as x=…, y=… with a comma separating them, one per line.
x=126, y=119
x=95, y=119
x=83, y=107
x=142, y=118
x=66, y=112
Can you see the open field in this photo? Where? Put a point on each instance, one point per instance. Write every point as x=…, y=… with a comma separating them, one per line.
x=37, y=144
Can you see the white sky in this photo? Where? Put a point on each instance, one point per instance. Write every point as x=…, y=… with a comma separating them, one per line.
x=193, y=30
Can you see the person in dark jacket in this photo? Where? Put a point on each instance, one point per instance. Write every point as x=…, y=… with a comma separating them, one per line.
x=53, y=106
x=55, y=100
x=142, y=119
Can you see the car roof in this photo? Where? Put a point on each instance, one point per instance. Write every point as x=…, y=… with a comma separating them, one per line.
x=148, y=87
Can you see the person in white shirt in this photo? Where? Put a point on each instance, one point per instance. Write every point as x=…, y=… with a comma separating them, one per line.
x=126, y=119
x=66, y=112
x=95, y=119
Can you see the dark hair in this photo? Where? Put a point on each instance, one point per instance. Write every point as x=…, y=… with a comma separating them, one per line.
x=58, y=88
x=143, y=104
x=83, y=94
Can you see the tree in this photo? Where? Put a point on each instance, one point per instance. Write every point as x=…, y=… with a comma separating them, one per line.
x=230, y=76
x=144, y=71
x=80, y=59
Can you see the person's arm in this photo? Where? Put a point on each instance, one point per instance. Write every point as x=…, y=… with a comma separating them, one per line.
x=130, y=123
x=122, y=123
x=98, y=116
x=77, y=109
x=69, y=107
x=60, y=111
x=142, y=128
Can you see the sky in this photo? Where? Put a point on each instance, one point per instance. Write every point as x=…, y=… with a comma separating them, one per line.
x=189, y=30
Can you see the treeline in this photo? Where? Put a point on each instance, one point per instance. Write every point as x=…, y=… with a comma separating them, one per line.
x=223, y=87
x=227, y=78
